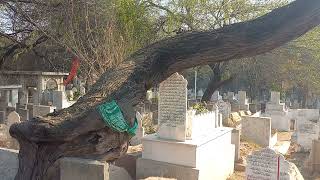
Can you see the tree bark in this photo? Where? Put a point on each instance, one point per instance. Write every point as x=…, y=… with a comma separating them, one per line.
x=79, y=130
x=215, y=81
x=213, y=85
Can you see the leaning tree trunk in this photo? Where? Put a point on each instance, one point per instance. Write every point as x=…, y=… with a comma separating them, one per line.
x=215, y=82
x=79, y=130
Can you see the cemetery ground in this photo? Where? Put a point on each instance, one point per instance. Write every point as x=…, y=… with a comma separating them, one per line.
x=180, y=138
x=246, y=148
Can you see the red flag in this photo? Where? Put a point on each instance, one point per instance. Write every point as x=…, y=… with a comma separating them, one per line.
x=73, y=71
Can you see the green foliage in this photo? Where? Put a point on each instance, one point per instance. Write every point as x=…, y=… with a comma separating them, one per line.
x=76, y=95
x=135, y=23
x=200, y=108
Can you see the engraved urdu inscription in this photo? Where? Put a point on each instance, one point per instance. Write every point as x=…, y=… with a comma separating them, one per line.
x=173, y=107
x=263, y=165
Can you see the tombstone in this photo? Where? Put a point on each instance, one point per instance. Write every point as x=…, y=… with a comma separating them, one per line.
x=23, y=113
x=23, y=97
x=75, y=168
x=60, y=100
x=306, y=130
x=12, y=118
x=14, y=97
x=46, y=97
x=200, y=94
x=230, y=96
x=253, y=108
x=30, y=109
x=313, y=163
x=267, y=164
x=224, y=109
x=235, y=118
x=277, y=112
x=2, y=116
x=173, y=108
x=220, y=120
x=135, y=140
x=215, y=96
x=235, y=139
x=41, y=110
x=258, y=130
x=275, y=97
x=243, y=101
x=36, y=97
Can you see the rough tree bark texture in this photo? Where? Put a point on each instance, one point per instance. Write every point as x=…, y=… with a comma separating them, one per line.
x=79, y=130
x=215, y=81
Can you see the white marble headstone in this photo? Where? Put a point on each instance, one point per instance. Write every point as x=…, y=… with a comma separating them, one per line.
x=173, y=108
x=12, y=118
x=267, y=164
x=135, y=140
x=242, y=97
x=230, y=96
x=215, y=96
x=275, y=97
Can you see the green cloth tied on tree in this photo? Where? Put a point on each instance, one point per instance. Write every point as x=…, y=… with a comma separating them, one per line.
x=113, y=117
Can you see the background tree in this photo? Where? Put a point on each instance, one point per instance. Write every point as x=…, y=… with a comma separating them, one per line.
x=100, y=33
x=193, y=15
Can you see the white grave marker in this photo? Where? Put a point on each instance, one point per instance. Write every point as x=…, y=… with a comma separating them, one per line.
x=12, y=118
x=173, y=108
x=268, y=165
x=275, y=97
x=135, y=140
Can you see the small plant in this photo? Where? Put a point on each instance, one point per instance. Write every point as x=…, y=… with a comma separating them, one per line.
x=76, y=95
x=70, y=98
x=147, y=124
x=200, y=108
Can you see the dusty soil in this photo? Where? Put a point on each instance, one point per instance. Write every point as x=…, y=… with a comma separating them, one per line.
x=246, y=148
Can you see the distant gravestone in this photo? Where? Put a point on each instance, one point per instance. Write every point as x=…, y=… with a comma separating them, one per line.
x=24, y=114
x=267, y=164
x=173, y=108
x=215, y=96
x=224, y=109
x=242, y=96
x=243, y=101
x=12, y=118
x=41, y=110
x=135, y=140
x=230, y=96
x=2, y=116
x=275, y=97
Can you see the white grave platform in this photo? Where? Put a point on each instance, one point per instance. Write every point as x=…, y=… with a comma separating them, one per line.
x=187, y=146
x=211, y=154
